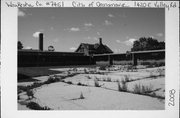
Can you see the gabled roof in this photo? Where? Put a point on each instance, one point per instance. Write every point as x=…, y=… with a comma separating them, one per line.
x=95, y=48
x=108, y=49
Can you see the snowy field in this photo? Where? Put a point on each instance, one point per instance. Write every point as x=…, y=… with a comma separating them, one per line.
x=107, y=88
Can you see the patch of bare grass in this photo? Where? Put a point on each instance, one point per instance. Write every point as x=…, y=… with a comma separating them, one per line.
x=146, y=90
x=36, y=106
x=131, y=68
x=52, y=79
x=161, y=72
x=69, y=82
x=89, y=77
x=29, y=87
x=81, y=84
x=108, y=79
x=141, y=89
x=85, y=71
x=81, y=96
x=30, y=94
x=96, y=83
x=127, y=78
x=102, y=68
x=122, y=86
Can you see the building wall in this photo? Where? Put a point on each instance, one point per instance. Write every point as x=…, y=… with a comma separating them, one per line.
x=42, y=58
x=33, y=59
x=142, y=58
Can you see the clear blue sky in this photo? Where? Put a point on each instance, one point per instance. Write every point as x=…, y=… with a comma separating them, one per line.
x=66, y=28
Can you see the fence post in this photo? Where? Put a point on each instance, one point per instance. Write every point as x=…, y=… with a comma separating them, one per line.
x=134, y=59
x=110, y=60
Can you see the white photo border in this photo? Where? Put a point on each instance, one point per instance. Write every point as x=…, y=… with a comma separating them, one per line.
x=9, y=69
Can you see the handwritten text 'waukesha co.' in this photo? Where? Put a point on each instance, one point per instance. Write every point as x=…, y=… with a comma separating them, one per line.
x=140, y=4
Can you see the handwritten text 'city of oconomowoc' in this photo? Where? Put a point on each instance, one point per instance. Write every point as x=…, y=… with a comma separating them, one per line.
x=140, y=4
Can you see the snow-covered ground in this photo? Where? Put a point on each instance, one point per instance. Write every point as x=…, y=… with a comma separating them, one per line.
x=67, y=95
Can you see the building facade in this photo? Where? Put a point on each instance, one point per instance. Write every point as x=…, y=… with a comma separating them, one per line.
x=90, y=49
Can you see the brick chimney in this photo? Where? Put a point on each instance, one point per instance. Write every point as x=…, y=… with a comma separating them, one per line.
x=41, y=41
x=100, y=41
